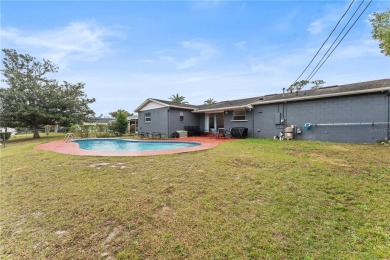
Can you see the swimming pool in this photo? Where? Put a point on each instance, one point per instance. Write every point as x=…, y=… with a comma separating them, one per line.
x=115, y=145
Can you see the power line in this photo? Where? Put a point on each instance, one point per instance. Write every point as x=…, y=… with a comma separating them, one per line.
x=346, y=11
x=345, y=26
x=341, y=40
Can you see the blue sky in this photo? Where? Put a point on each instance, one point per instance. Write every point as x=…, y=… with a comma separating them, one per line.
x=127, y=51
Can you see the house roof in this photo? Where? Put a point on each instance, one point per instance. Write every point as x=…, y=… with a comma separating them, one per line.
x=133, y=117
x=323, y=92
x=165, y=103
x=227, y=105
x=382, y=85
x=102, y=120
x=174, y=104
x=331, y=91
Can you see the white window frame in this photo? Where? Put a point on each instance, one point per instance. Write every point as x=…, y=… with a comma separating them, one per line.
x=148, y=119
x=241, y=114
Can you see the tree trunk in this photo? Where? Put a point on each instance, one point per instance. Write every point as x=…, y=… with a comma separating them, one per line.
x=36, y=132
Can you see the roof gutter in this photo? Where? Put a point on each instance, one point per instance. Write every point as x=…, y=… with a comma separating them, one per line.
x=189, y=108
x=285, y=100
x=222, y=109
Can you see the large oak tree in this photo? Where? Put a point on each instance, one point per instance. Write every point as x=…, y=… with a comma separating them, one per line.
x=32, y=99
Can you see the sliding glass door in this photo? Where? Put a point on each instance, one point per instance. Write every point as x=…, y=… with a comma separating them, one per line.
x=214, y=121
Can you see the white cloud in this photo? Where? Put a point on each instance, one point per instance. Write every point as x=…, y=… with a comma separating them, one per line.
x=81, y=40
x=150, y=61
x=240, y=45
x=204, y=53
x=317, y=26
x=262, y=66
x=328, y=19
x=194, y=79
x=187, y=55
x=167, y=58
x=358, y=49
x=286, y=22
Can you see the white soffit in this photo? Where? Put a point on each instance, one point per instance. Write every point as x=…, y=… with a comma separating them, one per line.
x=152, y=105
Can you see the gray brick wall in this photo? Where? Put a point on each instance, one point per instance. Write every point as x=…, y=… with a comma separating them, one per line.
x=159, y=122
x=189, y=119
x=228, y=123
x=261, y=120
x=352, y=109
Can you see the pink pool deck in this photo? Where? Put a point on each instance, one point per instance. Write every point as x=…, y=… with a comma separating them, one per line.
x=72, y=148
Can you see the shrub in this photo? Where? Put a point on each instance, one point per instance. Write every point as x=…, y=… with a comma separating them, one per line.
x=47, y=129
x=121, y=122
x=74, y=128
x=22, y=130
x=85, y=130
x=82, y=131
x=7, y=135
x=101, y=131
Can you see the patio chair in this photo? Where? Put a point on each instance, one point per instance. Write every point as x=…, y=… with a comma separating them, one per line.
x=145, y=134
x=221, y=132
x=227, y=133
x=213, y=132
x=157, y=135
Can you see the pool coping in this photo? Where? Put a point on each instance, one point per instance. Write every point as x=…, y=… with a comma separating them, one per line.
x=72, y=148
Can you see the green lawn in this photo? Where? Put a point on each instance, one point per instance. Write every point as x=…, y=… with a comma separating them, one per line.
x=244, y=199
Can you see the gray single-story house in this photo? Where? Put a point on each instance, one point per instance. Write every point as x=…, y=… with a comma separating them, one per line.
x=358, y=113
x=155, y=115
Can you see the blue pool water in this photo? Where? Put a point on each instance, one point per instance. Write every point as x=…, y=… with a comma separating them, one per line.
x=131, y=145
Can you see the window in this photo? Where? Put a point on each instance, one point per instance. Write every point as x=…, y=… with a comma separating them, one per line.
x=148, y=117
x=239, y=115
x=181, y=116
